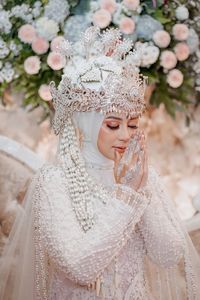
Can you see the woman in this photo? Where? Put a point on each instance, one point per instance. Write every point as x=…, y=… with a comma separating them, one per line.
x=97, y=223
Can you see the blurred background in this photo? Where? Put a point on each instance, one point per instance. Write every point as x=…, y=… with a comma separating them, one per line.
x=166, y=35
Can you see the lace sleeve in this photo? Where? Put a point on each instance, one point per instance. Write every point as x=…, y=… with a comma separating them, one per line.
x=81, y=256
x=163, y=240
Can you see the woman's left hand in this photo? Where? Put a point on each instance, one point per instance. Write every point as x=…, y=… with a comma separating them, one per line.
x=132, y=168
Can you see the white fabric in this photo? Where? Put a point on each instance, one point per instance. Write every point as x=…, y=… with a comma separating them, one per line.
x=97, y=164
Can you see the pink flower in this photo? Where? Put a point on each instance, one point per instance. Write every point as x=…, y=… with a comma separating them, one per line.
x=102, y=18
x=127, y=25
x=175, y=78
x=40, y=45
x=32, y=65
x=56, y=42
x=131, y=4
x=27, y=33
x=161, y=38
x=168, y=59
x=56, y=61
x=109, y=5
x=180, y=32
x=182, y=51
x=44, y=92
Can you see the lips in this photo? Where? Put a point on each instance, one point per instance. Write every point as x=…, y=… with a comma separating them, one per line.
x=120, y=149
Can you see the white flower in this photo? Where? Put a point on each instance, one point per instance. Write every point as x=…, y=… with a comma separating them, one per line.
x=57, y=10
x=22, y=12
x=46, y=28
x=193, y=40
x=36, y=11
x=4, y=51
x=182, y=13
x=15, y=48
x=148, y=53
x=5, y=24
x=75, y=26
x=7, y=73
x=94, y=5
x=146, y=26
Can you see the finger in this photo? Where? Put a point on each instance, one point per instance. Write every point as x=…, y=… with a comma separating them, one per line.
x=117, y=158
x=117, y=167
x=140, y=163
x=145, y=171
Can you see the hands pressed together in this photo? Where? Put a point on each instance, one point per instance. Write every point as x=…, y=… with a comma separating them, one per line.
x=131, y=168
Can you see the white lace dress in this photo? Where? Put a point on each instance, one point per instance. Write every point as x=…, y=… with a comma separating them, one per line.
x=69, y=259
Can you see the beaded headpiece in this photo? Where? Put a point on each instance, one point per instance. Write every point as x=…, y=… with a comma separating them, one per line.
x=103, y=79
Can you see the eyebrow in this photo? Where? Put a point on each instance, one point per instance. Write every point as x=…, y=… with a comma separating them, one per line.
x=119, y=119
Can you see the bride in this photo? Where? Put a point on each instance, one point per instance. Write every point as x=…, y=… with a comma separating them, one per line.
x=97, y=224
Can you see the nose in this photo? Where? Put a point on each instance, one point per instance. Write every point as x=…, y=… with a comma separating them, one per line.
x=124, y=134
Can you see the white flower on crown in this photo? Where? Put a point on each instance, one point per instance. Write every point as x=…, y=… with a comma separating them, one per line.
x=97, y=68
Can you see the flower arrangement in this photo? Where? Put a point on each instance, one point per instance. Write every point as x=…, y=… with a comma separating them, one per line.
x=165, y=33
x=166, y=36
x=30, y=33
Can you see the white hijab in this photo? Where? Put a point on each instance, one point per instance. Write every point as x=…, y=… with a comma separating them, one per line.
x=100, y=167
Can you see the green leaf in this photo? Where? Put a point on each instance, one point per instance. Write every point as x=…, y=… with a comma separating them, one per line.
x=158, y=15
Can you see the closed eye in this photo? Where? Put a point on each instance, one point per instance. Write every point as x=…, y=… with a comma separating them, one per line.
x=134, y=126
x=113, y=127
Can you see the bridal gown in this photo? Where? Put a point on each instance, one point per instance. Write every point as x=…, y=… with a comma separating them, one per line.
x=70, y=259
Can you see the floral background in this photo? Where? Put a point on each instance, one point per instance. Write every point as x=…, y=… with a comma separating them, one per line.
x=166, y=33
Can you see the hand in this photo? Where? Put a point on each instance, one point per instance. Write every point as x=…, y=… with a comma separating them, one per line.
x=132, y=167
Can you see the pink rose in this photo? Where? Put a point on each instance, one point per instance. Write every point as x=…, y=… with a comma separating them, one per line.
x=182, y=51
x=175, y=78
x=56, y=61
x=56, y=42
x=127, y=25
x=109, y=5
x=102, y=18
x=131, y=4
x=44, y=92
x=32, y=65
x=161, y=38
x=180, y=32
x=168, y=59
x=40, y=45
x=27, y=33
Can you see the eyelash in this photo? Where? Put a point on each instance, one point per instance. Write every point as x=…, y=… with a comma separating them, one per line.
x=117, y=127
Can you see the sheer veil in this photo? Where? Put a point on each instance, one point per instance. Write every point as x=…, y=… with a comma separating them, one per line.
x=17, y=260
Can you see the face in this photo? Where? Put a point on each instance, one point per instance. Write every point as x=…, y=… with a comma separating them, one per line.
x=115, y=133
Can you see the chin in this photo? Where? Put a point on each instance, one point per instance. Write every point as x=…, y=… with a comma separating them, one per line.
x=110, y=156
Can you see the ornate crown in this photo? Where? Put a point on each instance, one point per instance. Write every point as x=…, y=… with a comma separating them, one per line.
x=103, y=79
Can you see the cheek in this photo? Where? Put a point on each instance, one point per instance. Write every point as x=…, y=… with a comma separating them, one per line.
x=105, y=142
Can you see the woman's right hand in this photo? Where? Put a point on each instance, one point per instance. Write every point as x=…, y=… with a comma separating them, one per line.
x=132, y=167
